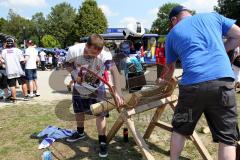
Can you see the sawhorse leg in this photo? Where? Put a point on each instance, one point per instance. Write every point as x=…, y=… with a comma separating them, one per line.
x=125, y=118
x=155, y=118
x=194, y=137
x=115, y=128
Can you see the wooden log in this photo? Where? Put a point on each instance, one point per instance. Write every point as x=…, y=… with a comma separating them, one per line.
x=131, y=100
x=147, y=105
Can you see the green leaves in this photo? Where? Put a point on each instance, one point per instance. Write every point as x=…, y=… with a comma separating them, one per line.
x=63, y=23
x=17, y=26
x=90, y=19
x=161, y=24
x=60, y=22
x=49, y=41
x=229, y=8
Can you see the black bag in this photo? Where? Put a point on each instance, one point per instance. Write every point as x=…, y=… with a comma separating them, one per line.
x=234, y=58
x=236, y=61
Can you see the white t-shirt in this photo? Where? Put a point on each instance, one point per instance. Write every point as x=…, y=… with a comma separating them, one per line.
x=50, y=60
x=76, y=54
x=42, y=55
x=12, y=58
x=32, y=54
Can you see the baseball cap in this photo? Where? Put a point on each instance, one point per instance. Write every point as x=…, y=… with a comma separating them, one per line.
x=10, y=42
x=176, y=10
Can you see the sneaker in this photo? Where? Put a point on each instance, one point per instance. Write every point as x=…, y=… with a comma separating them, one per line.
x=26, y=98
x=31, y=95
x=12, y=100
x=75, y=137
x=8, y=98
x=37, y=94
x=69, y=88
x=103, y=153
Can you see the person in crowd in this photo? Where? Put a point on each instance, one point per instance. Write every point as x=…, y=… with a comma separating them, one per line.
x=132, y=66
x=234, y=56
x=12, y=58
x=50, y=61
x=42, y=56
x=3, y=80
x=31, y=56
x=207, y=85
x=160, y=58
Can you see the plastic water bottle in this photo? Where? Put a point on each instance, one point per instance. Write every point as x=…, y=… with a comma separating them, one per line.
x=125, y=135
x=47, y=155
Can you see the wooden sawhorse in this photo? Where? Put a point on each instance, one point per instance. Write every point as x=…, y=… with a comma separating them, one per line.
x=139, y=102
x=125, y=117
x=142, y=106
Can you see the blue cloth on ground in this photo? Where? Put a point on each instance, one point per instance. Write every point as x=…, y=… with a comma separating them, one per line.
x=53, y=133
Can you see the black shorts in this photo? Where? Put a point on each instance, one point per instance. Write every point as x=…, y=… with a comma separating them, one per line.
x=216, y=99
x=3, y=79
x=82, y=105
x=12, y=82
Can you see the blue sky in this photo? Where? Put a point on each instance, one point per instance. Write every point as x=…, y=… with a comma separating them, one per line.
x=119, y=12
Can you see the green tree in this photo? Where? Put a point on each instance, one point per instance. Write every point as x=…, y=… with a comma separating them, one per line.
x=229, y=8
x=18, y=26
x=39, y=26
x=161, y=24
x=61, y=21
x=2, y=23
x=49, y=41
x=90, y=19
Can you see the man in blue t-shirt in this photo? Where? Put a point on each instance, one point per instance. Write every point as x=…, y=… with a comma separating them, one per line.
x=207, y=85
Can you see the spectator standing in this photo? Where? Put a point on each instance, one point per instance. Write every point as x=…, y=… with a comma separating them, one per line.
x=160, y=58
x=3, y=79
x=12, y=57
x=31, y=55
x=42, y=56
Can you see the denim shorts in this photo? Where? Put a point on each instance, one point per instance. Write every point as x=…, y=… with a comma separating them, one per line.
x=31, y=74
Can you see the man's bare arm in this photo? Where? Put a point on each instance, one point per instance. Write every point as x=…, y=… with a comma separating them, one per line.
x=167, y=74
x=116, y=79
x=117, y=85
x=168, y=71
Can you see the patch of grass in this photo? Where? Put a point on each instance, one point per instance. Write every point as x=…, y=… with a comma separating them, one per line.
x=19, y=124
